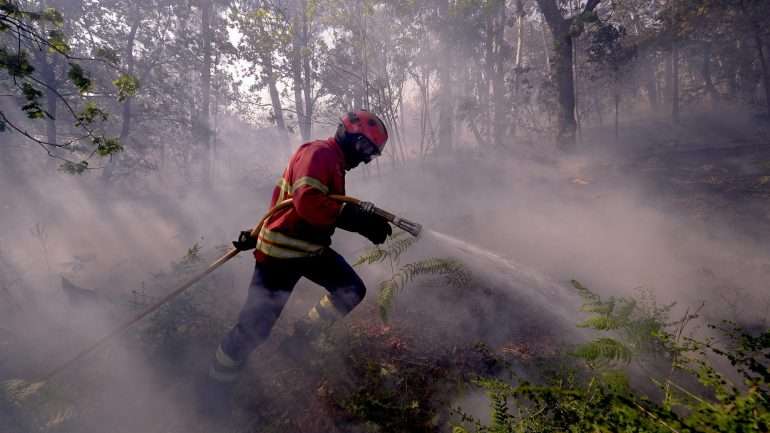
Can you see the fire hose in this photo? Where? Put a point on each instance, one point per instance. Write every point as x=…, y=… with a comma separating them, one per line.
x=406, y=225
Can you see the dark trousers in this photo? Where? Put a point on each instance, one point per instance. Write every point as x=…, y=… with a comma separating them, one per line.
x=270, y=288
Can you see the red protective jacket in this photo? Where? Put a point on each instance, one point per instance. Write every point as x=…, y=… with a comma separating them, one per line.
x=316, y=170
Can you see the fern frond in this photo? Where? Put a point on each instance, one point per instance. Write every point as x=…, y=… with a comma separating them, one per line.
x=585, y=293
x=603, y=351
x=398, y=246
x=451, y=269
x=500, y=415
x=370, y=256
x=395, y=245
x=602, y=323
x=616, y=380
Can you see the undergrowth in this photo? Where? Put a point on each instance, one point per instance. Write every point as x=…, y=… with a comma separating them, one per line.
x=607, y=386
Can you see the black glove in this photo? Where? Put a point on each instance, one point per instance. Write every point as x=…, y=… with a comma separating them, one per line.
x=362, y=219
x=245, y=241
x=377, y=229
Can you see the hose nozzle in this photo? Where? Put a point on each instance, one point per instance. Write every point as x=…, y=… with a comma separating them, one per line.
x=412, y=227
x=404, y=224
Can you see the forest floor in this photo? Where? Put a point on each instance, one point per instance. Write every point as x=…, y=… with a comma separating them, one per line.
x=415, y=372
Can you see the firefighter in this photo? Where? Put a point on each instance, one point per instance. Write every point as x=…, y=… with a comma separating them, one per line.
x=295, y=242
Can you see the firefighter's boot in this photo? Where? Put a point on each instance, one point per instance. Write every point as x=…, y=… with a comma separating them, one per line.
x=214, y=399
x=308, y=337
x=215, y=391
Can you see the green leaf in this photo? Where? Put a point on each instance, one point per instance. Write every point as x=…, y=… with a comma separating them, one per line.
x=106, y=146
x=90, y=113
x=30, y=92
x=34, y=110
x=70, y=167
x=57, y=42
x=127, y=86
x=16, y=63
x=78, y=77
x=108, y=54
x=53, y=16
x=616, y=381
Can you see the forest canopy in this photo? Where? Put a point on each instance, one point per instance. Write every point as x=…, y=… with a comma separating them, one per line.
x=156, y=77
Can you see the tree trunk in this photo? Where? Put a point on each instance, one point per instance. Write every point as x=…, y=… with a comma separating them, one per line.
x=307, y=72
x=486, y=92
x=563, y=33
x=517, y=68
x=298, y=49
x=498, y=86
x=48, y=74
x=675, y=82
x=546, y=50
x=446, y=92
x=617, y=107
x=575, y=89
x=125, y=128
x=204, y=122
x=760, y=46
x=651, y=82
x=567, y=124
x=763, y=63
x=275, y=101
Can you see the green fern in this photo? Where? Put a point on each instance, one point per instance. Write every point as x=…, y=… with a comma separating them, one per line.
x=602, y=323
x=395, y=246
x=371, y=256
x=452, y=270
x=603, y=352
x=500, y=416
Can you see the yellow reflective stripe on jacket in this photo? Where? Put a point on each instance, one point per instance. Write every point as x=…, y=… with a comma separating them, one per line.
x=279, y=252
x=277, y=238
x=285, y=188
x=279, y=245
x=311, y=182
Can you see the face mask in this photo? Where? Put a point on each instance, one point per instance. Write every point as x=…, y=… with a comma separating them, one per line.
x=366, y=150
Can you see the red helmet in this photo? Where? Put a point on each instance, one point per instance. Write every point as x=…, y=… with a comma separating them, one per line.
x=367, y=124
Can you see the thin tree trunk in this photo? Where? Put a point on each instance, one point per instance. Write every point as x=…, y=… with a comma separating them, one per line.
x=567, y=129
x=517, y=68
x=296, y=70
x=763, y=62
x=675, y=82
x=707, y=79
x=48, y=74
x=275, y=101
x=125, y=128
x=486, y=106
x=546, y=50
x=575, y=88
x=617, y=107
x=651, y=83
x=204, y=120
x=759, y=43
x=446, y=95
x=498, y=86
